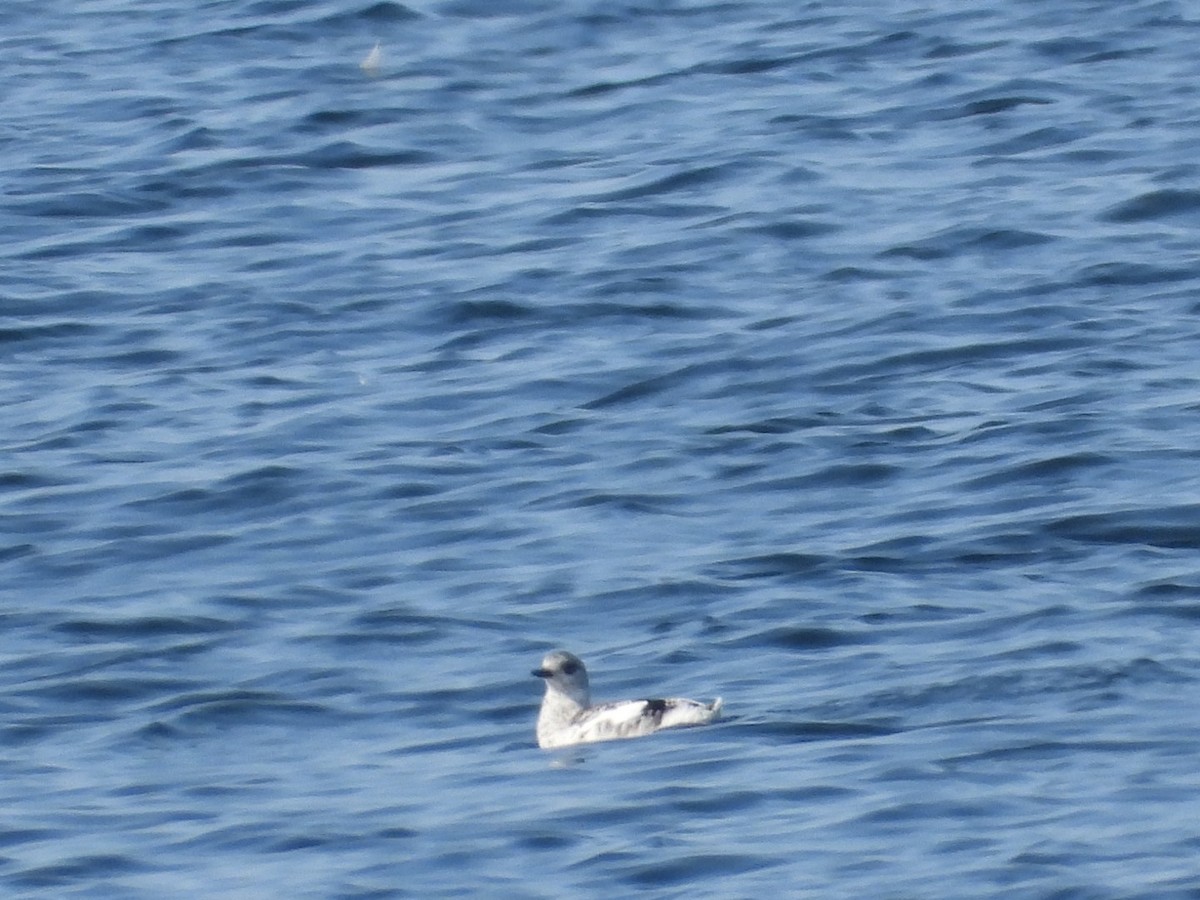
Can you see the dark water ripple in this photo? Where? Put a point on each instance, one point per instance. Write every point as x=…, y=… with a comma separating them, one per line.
x=841, y=362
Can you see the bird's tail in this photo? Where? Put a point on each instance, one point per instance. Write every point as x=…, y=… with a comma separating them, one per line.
x=716, y=706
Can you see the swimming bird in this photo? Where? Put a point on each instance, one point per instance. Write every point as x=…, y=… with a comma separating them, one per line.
x=567, y=716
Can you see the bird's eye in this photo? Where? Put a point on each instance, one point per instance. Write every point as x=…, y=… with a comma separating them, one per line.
x=571, y=668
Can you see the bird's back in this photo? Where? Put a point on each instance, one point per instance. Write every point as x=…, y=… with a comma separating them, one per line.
x=630, y=718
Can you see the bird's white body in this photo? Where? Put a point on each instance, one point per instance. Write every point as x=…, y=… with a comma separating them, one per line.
x=567, y=716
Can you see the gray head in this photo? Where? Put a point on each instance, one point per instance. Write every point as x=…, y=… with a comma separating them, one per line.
x=565, y=673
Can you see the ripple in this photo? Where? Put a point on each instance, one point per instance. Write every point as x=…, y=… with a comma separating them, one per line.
x=1172, y=527
x=1154, y=205
x=686, y=868
x=70, y=871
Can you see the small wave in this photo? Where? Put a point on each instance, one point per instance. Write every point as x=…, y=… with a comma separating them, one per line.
x=1169, y=527
x=1155, y=205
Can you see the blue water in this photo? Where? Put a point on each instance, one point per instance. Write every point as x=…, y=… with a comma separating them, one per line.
x=839, y=359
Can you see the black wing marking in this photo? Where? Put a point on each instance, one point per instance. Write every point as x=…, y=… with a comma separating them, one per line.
x=655, y=710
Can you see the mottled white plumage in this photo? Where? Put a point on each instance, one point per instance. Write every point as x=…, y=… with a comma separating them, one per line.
x=567, y=716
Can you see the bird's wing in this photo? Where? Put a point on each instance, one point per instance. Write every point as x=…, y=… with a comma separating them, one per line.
x=632, y=718
x=627, y=718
